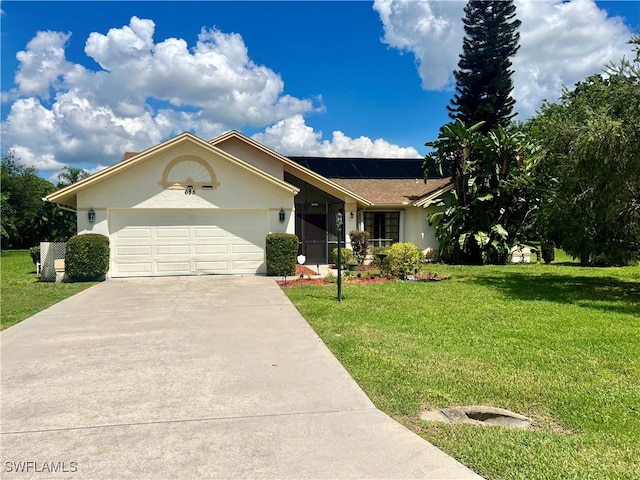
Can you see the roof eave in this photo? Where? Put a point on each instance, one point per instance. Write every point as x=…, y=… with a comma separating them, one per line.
x=433, y=195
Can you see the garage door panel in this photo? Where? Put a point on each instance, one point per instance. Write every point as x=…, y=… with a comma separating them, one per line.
x=213, y=267
x=210, y=232
x=164, y=232
x=136, y=268
x=211, y=249
x=134, y=232
x=149, y=243
x=173, y=267
x=172, y=250
x=135, y=250
x=246, y=248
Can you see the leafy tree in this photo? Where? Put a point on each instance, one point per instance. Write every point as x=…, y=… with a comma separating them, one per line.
x=8, y=215
x=593, y=141
x=495, y=194
x=26, y=219
x=483, y=78
x=23, y=213
x=70, y=175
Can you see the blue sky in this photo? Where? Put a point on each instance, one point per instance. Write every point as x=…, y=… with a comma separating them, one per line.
x=95, y=79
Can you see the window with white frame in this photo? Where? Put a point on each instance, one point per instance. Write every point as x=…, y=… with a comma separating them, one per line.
x=383, y=227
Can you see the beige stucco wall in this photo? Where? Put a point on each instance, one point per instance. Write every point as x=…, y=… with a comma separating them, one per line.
x=139, y=187
x=252, y=155
x=350, y=223
x=417, y=229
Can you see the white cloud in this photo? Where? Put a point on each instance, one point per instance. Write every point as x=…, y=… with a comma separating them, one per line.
x=561, y=43
x=291, y=136
x=42, y=162
x=431, y=30
x=42, y=64
x=132, y=103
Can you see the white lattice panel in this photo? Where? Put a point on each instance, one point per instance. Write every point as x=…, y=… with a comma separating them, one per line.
x=50, y=251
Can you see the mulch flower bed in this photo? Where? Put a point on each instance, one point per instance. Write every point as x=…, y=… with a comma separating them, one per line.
x=302, y=270
x=351, y=279
x=304, y=274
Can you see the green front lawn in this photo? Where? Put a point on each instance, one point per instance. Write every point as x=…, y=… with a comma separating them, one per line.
x=558, y=343
x=23, y=294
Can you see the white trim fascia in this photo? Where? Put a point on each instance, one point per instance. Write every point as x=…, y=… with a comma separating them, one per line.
x=436, y=194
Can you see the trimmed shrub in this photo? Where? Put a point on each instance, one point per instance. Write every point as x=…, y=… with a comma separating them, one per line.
x=345, y=253
x=548, y=248
x=359, y=244
x=281, y=250
x=404, y=259
x=87, y=257
x=35, y=254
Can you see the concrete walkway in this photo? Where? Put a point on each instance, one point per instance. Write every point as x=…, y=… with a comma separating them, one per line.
x=192, y=377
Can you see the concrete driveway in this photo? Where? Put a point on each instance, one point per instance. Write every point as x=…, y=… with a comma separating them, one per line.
x=191, y=377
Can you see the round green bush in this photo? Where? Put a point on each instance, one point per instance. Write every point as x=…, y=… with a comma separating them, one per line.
x=403, y=259
x=87, y=257
x=346, y=254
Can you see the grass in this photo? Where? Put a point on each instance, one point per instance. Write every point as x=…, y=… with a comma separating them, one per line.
x=23, y=294
x=558, y=343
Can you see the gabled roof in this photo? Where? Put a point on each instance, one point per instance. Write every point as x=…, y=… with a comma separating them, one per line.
x=294, y=168
x=369, y=182
x=67, y=195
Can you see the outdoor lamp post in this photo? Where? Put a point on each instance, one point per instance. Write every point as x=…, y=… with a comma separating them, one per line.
x=339, y=224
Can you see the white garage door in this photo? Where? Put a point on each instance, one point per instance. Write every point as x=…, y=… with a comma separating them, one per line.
x=186, y=242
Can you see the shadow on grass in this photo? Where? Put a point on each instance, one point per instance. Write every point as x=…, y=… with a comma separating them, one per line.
x=604, y=293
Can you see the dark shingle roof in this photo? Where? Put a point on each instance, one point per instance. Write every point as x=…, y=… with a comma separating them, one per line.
x=407, y=168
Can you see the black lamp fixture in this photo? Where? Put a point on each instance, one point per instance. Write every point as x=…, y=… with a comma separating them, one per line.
x=339, y=225
x=351, y=215
x=281, y=215
x=92, y=215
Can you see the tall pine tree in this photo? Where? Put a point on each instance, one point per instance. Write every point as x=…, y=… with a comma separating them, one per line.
x=483, y=78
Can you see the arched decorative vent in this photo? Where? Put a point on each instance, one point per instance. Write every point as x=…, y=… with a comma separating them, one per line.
x=189, y=172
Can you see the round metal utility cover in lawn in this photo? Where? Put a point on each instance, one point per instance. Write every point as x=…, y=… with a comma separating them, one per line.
x=477, y=415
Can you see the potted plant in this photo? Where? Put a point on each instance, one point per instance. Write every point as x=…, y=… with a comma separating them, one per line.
x=353, y=265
